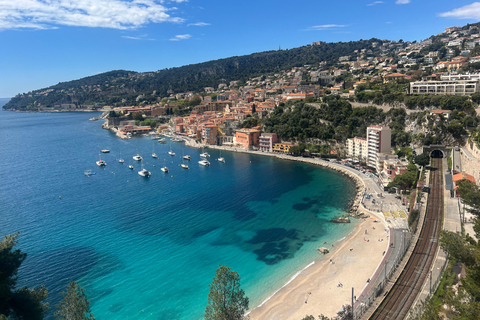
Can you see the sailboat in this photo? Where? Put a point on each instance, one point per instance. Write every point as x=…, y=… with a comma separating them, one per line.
x=186, y=157
x=137, y=157
x=144, y=172
x=121, y=159
x=100, y=162
x=171, y=152
x=164, y=168
x=204, y=154
x=154, y=155
x=221, y=159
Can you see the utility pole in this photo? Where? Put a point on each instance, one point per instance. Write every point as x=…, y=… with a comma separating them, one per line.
x=353, y=313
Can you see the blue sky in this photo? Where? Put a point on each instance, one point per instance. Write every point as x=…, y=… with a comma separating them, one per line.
x=43, y=42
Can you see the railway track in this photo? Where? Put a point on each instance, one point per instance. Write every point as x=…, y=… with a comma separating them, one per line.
x=402, y=295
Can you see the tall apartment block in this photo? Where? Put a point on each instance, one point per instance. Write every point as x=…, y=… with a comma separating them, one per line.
x=357, y=148
x=379, y=139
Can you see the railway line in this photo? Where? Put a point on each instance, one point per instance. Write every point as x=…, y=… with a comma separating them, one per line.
x=402, y=295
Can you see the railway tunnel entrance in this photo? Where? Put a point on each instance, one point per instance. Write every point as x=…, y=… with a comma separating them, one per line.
x=436, y=150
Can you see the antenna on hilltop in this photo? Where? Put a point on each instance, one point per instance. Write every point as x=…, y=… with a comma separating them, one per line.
x=279, y=48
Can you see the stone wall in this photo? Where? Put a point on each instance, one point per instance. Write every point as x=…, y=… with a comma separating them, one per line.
x=470, y=161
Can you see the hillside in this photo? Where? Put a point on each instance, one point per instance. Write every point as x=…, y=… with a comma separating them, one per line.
x=124, y=87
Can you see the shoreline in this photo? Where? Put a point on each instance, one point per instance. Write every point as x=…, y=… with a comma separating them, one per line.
x=315, y=289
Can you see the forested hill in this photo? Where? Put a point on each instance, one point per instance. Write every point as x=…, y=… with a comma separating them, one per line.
x=123, y=87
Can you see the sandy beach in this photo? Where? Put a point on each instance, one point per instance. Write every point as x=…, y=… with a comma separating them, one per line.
x=326, y=285
x=317, y=289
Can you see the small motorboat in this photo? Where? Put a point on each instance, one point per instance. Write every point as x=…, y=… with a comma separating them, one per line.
x=184, y=166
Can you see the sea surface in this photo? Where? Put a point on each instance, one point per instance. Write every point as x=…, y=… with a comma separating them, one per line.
x=147, y=248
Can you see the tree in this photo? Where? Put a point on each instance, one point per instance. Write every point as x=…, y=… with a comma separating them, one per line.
x=74, y=305
x=226, y=301
x=22, y=303
x=423, y=159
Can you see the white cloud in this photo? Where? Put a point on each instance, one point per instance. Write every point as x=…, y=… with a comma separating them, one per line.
x=327, y=26
x=471, y=11
x=374, y=3
x=115, y=14
x=141, y=37
x=198, y=24
x=179, y=37
x=403, y=1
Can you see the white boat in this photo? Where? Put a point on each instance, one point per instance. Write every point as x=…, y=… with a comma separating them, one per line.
x=100, y=162
x=176, y=140
x=104, y=151
x=162, y=140
x=221, y=159
x=184, y=166
x=187, y=157
x=144, y=173
x=164, y=168
x=137, y=157
x=129, y=134
x=130, y=167
x=154, y=155
x=121, y=159
x=171, y=153
x=204, y=162
x=204, y=154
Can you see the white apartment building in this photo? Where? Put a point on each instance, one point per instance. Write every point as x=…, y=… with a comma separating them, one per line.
x=379, y=139
x=357, y=148
x=453, y=84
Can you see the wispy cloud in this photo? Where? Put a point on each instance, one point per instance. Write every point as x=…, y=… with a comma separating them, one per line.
x=115, y=14
x=374, y=3
x=327, y=27
x=179, y=37
x=403, y=1
x=471, y=11
x=141, y=37
x=198, y=24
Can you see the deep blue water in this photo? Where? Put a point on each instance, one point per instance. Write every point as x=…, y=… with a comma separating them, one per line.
x=148, y=248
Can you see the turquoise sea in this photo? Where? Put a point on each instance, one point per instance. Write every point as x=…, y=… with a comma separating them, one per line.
x=147, y=248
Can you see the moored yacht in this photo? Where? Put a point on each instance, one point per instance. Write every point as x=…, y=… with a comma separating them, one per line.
x=221, y=159
x=100, y=162
x=130, y=167
x=144, y=173
x=184, y=166
x=171, y=153
x=204, y=162
x=137, y=157
x=187, y=157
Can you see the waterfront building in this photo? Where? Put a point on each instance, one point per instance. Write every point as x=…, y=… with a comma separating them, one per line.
x=267, y=140
x=209, y=134
x=247, y=138
x=357, y=148
x=283, y=147
x=379, y=140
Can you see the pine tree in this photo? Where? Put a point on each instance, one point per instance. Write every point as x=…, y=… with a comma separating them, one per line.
x=226, y=301
x=74, y=305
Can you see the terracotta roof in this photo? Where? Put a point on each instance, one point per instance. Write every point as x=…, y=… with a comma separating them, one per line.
x=463, y=176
